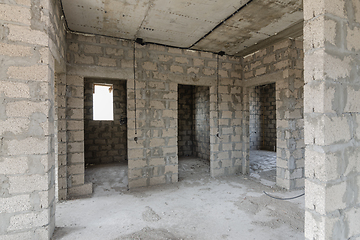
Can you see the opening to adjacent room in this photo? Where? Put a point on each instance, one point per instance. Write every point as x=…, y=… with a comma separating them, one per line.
x=193, y=130
x=262, y=132
x=105, y=132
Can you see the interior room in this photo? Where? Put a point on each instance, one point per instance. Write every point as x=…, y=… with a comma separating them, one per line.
x=262, y=127
x=66, y=173
x=193, y=130
x=105, y=132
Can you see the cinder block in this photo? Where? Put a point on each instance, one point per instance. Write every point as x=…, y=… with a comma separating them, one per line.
x=136, y=163
x=135, y=173
x=157, y=180
x=182, y=60
x=141, y=182
x=156, y=161
x=15, y=165
x=107, y=62
x=28, y=183
x=171, y=168
x=29, y=220
x=14, y=125
x=92, y=49
x=14, y=204
x=149, y=66
x=176, y=69
x=82, y=59
x=28, y=146
x=13, y=50
x=157, y=142
x=75, y=80
x=114, y=51
x=75, y=147
x=74, y=47
x=33, y=73
x=47, y=197
x=26, y=35
x=75, y=125
x=74, y=169
x=164, y=58
x=81, y=190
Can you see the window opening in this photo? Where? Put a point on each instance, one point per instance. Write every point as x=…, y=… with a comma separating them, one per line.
x=103, y=102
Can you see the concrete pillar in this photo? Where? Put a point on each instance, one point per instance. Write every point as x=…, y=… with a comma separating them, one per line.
x=290, y=134
x=332, y=119
x=27, y=193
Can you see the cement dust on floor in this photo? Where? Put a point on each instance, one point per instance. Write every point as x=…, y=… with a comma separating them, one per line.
x=263, y=166
x=198, y=207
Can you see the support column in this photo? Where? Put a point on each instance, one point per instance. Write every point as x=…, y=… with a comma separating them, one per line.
x=332, y=119
x=27, y=193
x=289, y=125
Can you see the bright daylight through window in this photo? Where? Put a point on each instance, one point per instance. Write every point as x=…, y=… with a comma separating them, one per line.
x=103, y=102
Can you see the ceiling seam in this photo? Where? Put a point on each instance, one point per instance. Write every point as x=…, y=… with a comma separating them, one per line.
x=68, y=29
x=221, y=23
x=146, y=14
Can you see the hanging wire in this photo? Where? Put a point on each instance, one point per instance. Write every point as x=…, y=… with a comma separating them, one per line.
x=279, y=198
x=217, y=98
x=222, y=53
x=134, y=67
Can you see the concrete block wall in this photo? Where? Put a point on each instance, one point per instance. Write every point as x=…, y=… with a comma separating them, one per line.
x=202, y=122
x=106, y=141
x=31, y=41
x=268, y=110
x=185, y=120
x=61, y=154
x=194, y=121
x=153, y=159
x=254, y=119
x=282, y=63
x=332, y=136
x=75, y=167
x=226, y=149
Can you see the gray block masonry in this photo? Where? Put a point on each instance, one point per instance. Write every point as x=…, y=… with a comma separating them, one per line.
x=46, y=136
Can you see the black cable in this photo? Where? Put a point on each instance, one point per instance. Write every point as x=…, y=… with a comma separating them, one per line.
x=134, y=67
x=217, y=98
x=278, y=198
x=221, y=23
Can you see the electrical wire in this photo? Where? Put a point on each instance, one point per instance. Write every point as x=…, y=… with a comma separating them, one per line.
x=217, y=98
x=278, y=198
x=134, y=67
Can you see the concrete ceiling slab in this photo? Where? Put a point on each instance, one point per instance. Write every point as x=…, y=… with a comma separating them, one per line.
x=112, y=18
x=182, y=22
x=259, y=20
x=195, y=24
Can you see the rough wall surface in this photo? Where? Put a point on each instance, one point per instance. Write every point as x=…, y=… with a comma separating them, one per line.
x=202, y=122
x=31, y=40
x=185, y=120
x=75, y=168
x=106, y=141
x=153, y=159
x=281, y=63
x=262, y=127
x=194, y=121
x=60, y=108
x=332, y=119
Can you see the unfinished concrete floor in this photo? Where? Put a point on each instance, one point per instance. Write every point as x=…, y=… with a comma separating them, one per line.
x=263, y=166
x=197, y=207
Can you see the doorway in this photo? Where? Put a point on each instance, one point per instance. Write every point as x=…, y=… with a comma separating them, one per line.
x=262, y=132
x=105, y=133
x=193, y=130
